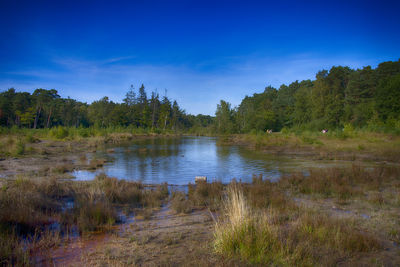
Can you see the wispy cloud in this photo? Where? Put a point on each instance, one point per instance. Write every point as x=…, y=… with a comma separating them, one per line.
x=197, y=91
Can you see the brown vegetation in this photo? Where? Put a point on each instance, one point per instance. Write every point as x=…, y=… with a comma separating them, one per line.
x=29, y=205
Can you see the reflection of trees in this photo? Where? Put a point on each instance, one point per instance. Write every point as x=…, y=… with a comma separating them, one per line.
x=180, y=159
x=151, y=159
x=223, y=152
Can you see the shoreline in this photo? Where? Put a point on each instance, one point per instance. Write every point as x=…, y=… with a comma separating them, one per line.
x=185, y=213
x=365, y=200
x=60, y=157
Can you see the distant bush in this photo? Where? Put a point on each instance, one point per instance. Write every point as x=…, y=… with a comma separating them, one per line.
x=59, y=132
x=348, y=130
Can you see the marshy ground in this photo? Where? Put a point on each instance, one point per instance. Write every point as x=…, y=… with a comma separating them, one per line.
x=166, y=238
x=336, y=216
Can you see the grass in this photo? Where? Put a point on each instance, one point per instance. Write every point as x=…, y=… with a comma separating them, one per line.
x=12, y=251
x=180, y=203
x=268, y=225
x=346, y=183
x=11, y=146
x=29, y=205
x=18, y=142
x=258, y=223
x=206, y=194
x=200, y=195
x=96, y=163
x=63, y=168
x=306, y=238
x=336, y=144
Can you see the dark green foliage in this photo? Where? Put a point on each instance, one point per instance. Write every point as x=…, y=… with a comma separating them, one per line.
x=365, y=97
x=46, y=109
x=388, y=98
x=224, y=118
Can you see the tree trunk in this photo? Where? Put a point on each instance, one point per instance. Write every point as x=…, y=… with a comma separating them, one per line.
x=37, y=118
x=153, y=116
x=165, y=121
x=48, y=119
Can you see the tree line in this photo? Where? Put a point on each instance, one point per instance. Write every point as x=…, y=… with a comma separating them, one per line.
x=45, y=108
x=363, y=98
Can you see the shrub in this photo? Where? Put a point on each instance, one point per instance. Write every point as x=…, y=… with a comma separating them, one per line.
x=59, y=132
x=348, y=130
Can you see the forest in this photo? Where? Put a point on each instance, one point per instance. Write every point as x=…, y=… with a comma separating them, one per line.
x=45, y=109
x=364, y=98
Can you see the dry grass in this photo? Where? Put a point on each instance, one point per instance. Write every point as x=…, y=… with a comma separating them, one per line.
x=180, y=204
x=26, y=207
x=12, y=146
x=63, y=168
x=206, y=194
x=263, y=194
x=334, y=145
x=120, y=191
x=12, y=251
x=96, y=163
x=308, y=238
x=345, y=184
x=29, y=205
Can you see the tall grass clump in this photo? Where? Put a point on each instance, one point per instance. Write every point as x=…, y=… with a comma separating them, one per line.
x=263, y=194
x=94, y=214
x=206, y=194
x=239, y=235
x=180, y=203
x=120, y=191
x=306, y=238
x=154, y=197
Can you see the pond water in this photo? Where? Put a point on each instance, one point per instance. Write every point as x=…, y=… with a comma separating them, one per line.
x=178, y=160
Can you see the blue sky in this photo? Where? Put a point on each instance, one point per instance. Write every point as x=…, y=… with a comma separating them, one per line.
x=200, y=51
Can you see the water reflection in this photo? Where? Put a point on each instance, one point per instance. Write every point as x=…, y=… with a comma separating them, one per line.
x=179, y=160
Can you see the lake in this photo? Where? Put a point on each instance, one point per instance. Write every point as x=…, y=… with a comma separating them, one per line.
x=178, y=160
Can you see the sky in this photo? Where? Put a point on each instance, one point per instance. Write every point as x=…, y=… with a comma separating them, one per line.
x=197, y=52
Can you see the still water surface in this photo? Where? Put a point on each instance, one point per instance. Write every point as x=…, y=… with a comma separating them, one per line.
x=178, y=160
